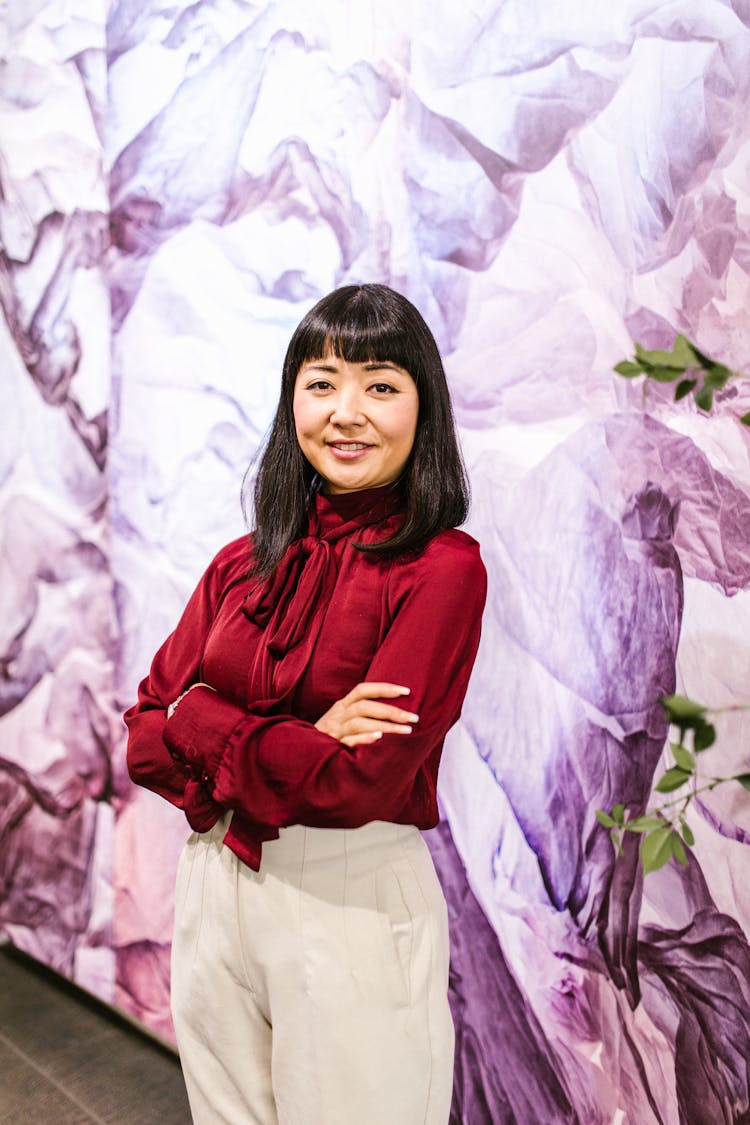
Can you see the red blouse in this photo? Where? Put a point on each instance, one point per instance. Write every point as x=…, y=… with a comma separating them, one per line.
x=279, y=653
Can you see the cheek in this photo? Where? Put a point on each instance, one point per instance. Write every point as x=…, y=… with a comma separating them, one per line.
x=405, y=426
x=303, y=420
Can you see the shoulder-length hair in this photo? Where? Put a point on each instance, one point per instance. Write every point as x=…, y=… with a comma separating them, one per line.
x=363, y=324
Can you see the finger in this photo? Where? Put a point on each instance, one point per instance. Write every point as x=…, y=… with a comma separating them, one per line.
x=371, y=709
x=366, y=738
x=360, y=725
x=367, y=690
x=362, y=739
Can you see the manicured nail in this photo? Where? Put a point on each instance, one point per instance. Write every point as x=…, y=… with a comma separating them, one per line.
x=412, y=718
x=405, y=690
x=377, y=734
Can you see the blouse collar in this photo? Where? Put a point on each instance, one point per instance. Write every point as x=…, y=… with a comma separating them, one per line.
x=335, y=515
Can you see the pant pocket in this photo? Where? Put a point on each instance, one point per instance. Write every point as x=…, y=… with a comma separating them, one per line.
x=185, y=866
x=190, y=887
x=402, y=909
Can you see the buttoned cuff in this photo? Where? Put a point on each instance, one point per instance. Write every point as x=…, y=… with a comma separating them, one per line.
x=199, y=730
x=201, y=810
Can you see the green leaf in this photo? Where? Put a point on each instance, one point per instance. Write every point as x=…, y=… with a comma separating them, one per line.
x=687, y=834
x=682, y=756
x=712, y=366
x=705, y=399
x=618, y=814
x=665, y=374
x=672, y=779
x=679, y=707
x=717, y=377
x=628, y=368
x=605, y=819
x=745, y=419
x=684, y=388
x=662, y=359
x=643, y=356
x=644, y=823
x=656, y=849
x=704, y=360
x=684, y=351
x=715, y=368
x=704, y=735
x=678, y=850
x=744, y=780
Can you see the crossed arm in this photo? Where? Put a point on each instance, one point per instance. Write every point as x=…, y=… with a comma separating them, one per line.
x=359, y=760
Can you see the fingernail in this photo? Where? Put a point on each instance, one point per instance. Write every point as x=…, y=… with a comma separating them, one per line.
x=377, y=734
x=412, y=718
x=405, y=691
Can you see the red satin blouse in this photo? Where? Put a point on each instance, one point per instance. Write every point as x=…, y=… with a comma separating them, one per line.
x=279, y=653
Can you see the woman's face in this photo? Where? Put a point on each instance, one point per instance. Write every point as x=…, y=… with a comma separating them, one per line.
x=355, y=422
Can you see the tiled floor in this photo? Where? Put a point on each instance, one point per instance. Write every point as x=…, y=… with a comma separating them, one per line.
x=65, y=1060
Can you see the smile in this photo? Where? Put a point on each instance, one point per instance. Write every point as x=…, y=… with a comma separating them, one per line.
x=348, y=450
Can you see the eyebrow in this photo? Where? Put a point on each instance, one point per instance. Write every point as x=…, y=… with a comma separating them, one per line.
x=376, y=365
x=319, y=367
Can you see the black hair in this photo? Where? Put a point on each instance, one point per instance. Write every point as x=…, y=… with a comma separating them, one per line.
x=363, y=324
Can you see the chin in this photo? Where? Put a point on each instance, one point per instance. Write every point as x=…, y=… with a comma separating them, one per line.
x=336, y=487
x=352, y=484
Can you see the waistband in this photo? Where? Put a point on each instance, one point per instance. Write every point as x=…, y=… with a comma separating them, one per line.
x=298, y=842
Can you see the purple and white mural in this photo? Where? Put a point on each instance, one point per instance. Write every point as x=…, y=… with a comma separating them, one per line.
x=58, y=724
x=548, y=182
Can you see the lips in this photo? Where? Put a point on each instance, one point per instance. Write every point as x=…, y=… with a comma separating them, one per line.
x=348, y=450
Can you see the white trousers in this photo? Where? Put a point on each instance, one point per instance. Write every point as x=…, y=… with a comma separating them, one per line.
x=314, y=991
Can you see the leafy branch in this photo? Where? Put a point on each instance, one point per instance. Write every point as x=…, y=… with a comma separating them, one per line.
x=664, y=828
x=665, y=831
x=694, y=372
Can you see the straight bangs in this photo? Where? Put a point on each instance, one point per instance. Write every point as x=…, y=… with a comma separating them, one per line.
x=379, y=345
x=357, y=329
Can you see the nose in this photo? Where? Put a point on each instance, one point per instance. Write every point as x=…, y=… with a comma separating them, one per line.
x=348, y=408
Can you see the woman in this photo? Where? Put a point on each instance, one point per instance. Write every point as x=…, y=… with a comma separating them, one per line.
x=297, y=715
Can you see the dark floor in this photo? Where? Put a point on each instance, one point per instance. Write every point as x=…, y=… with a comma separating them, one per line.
x=66, y=1060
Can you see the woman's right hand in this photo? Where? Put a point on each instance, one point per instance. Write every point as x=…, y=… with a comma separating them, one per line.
x=360, y=717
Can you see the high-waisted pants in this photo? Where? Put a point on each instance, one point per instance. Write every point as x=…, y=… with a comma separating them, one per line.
x=313, y=991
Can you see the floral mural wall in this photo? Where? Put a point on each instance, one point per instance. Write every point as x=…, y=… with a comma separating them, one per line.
x=548, y=182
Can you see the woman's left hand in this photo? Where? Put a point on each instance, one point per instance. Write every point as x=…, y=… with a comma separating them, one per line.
x=360, y=717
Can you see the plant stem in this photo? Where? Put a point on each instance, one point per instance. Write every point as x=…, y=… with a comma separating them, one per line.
x=686, y=800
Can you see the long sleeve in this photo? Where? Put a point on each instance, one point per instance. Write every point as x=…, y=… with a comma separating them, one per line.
x=174, y=668
x=278, y=770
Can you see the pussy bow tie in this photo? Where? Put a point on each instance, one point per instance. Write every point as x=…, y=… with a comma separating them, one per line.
x=287, y=604
x=284, y=605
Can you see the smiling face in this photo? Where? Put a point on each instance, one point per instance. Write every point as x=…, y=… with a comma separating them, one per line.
x=355, y=422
